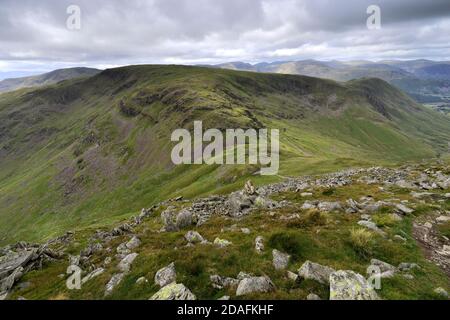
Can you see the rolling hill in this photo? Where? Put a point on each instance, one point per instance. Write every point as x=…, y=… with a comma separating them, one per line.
x=424, y=80
x=46, y=78
x=90, y=151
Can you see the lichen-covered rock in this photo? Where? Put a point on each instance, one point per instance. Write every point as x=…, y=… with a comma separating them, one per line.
x=255, y=285
x=194, y=237
x=174, y=291
x=166, y=275
x=314, y=271
x=280, y=259
x=222, y=243
x=348, y=285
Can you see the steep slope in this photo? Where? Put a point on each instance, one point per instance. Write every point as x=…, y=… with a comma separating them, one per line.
x=46, y=78
x=88, y=152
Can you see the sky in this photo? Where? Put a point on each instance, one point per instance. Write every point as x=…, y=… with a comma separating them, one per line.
x=35, y=37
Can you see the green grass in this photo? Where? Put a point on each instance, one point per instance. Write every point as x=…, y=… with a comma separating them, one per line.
x=332, y=239
x=71, y=158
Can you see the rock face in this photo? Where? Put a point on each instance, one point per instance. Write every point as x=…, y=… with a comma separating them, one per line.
x=174, y=291
x=19, y=259
x=166, y=275
x=348, y=285
x=314, y=271
x=280, y=259
x=255, y=285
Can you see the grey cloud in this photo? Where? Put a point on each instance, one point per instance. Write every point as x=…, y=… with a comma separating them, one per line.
x=115, y=32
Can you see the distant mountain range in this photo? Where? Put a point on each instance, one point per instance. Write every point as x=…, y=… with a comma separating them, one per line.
x=425, y=80
x=46, y=78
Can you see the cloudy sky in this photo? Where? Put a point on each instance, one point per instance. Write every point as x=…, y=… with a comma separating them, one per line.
x=34, y=36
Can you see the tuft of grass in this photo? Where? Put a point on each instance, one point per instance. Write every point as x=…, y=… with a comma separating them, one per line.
x=361, y=241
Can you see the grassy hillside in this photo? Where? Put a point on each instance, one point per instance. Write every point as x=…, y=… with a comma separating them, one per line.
x=89, y=152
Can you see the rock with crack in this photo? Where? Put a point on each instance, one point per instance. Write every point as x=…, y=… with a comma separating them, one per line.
x=222, y=243
x=194, y=237
x=166, y=275
x=125, y=264
x=259, y=244
x=314, y=271
x=220, y=282
x=115, y=280
x=174, y=291
x=348, y=285
x=280, y=260
x=255, y=285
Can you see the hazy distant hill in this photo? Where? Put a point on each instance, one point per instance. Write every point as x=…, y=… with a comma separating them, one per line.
x=46, y=78
x=424, y=80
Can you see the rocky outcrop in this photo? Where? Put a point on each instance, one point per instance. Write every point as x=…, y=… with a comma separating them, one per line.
x=19, y=259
